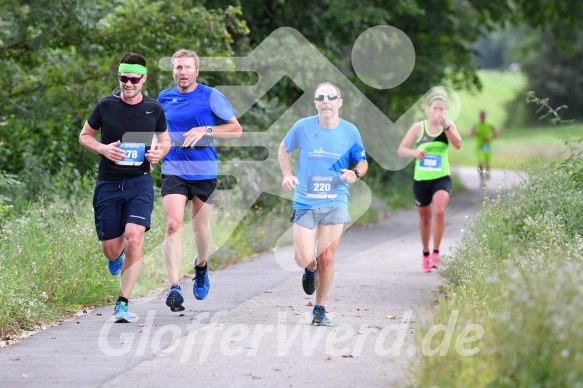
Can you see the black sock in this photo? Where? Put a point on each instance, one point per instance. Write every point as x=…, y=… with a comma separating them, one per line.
x=122, y=299
x=425, y=253
x=205, y=263
x=436, y=251
x=175, y=286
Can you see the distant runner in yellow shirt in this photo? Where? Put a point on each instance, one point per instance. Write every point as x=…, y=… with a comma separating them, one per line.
x=484, y=132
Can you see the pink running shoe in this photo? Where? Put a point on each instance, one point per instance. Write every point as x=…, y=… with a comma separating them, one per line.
x=434, y=260
x=427, y=263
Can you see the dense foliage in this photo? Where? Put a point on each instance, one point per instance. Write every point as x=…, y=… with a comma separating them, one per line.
x=57, y=58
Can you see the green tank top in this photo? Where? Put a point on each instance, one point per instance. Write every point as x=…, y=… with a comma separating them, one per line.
x=435, y=164
x=483, y=131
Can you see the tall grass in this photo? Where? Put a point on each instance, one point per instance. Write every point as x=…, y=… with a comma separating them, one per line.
x=49, y=265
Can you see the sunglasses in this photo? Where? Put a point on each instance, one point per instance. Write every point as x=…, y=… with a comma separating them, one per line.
x=331, y=97
x=134, y=80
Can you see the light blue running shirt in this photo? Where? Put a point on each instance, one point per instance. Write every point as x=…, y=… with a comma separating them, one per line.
x=202, y=107
x=322, y=153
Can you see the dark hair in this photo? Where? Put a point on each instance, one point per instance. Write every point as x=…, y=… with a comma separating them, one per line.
x=133, y=59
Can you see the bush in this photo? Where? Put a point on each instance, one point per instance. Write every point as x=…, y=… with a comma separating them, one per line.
x=517, y=272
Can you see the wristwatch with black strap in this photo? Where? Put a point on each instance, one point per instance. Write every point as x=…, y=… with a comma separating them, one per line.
x=357, y=173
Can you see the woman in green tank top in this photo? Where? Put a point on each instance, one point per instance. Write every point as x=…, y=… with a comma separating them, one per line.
x=428, y=142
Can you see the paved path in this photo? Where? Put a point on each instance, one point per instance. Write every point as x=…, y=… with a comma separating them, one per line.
x=253, y=329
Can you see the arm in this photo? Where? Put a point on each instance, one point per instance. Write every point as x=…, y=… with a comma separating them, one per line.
x=405, y=146
x=362, y=167
x=160, y=147
x=350, y=176
x=453, y=136
x=495, y=132
x=88, y=140
x=289, y=180
x=230, y=129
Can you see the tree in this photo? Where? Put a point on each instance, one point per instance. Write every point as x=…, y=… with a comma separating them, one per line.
x=555, y=73
x=58, y=57
x=442, y=33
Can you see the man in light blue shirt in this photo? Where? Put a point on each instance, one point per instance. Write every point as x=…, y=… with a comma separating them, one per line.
x=327, y=146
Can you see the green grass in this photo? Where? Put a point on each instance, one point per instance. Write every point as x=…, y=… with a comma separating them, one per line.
x=515, y=146
x=498, y=90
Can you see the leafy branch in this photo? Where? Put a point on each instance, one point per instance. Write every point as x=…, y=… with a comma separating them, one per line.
x=547, y=111
x=573, y=164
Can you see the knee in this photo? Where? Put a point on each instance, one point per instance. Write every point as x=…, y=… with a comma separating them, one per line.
x=439, y=214
x=326, y=259
x=173, y=226
x=134, y=241
x=425, y=220
x=202, y=230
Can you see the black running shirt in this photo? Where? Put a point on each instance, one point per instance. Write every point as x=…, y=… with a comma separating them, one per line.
x=127, y=123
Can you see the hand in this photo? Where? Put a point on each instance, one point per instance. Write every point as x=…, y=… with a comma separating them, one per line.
x=442, y=120
x=289, y=182
x=193, y=136
x=113, y=152
x=154, y=154
x=348, y=175
x=419, y=154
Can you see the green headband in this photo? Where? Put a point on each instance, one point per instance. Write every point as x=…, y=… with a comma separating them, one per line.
x=132, y=68
x=438, y=97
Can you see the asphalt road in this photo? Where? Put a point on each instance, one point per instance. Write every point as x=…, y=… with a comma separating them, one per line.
x=253, y=329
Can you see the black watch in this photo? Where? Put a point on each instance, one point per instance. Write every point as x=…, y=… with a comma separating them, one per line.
x=209, y=130
x=446, y=127
x=357, y=173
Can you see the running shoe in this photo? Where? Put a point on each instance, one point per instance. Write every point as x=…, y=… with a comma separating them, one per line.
x=309, y=281
x=122, y=315
x=201, y=281
x=319, y=316
x=434, y=260
x=115, y=265
x=174, y=299
x=427, y=263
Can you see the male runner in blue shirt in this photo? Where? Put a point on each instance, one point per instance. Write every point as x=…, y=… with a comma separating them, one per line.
x=327, y=146
x=196, y=114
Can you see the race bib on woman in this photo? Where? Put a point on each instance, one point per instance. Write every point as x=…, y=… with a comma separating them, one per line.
x=430, y=163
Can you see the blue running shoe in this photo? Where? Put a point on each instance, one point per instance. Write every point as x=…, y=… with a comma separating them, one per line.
x=122, y=315
x=174, y=299
x=309, y=281
x=201, y=281
x=115, y=265
x=320, y=318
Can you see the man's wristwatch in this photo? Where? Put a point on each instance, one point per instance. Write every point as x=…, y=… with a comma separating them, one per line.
x=209, y=130
x=357, y=173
